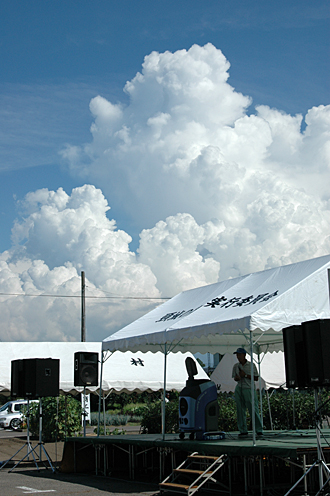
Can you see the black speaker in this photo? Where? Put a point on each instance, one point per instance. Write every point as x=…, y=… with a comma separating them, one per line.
x=17, y=379
x=33, y=378
x=295, y=357
x=317, y=345
x=86, y=369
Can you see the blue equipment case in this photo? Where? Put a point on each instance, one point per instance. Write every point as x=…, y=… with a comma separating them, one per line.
x=198, y=405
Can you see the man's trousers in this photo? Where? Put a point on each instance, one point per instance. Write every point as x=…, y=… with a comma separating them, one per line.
x=243, y=398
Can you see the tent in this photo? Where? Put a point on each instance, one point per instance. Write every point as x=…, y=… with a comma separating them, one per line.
x=248, y=311
x=123, y=372
x=272, y=371
x=223, y=316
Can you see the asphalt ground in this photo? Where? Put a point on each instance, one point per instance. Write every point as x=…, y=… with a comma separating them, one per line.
x=44, y=478
x=30, y=481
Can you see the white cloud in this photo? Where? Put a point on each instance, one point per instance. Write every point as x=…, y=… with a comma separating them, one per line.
x=171, y=250
x=215, y=191
x=57, y=237
x=143, y=153
x=185, y=143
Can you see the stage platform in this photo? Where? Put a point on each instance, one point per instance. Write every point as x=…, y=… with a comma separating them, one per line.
x=288, y=444
x=280, y=458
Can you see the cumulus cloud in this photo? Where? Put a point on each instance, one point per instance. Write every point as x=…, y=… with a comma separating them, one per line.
x=189, y=143
x=59, y=235
x=56, y=238
x=215, y=187
x=174, y=251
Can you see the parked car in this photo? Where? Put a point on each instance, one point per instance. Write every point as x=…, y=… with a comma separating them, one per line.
x=12, y=414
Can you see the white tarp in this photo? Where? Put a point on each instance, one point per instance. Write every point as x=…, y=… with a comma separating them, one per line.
x=272, y=371
x=122, y=372
x=221, y=316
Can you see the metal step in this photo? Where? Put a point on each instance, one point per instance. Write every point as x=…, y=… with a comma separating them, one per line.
x=191, y=471
x=177, y=486
x=206, y=457
x=208, y=466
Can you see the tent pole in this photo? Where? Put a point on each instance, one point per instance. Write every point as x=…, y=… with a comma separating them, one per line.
x=252, y=391
x=260, y=388
x=270, y=411
x=104, y=422
x=293, y=410
x=100, y=396
x=164, y=393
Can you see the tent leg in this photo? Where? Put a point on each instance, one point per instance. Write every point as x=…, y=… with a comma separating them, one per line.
x=104, y=421
x=270, y=411
x=260, y=390
x=252, y=391
x=100, y=396
x=245, y=476
x=261, y=466
x=164, y=393
x=293, y=410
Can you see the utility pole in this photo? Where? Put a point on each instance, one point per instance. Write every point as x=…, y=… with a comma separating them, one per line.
x=83, y=339
x=83, y=327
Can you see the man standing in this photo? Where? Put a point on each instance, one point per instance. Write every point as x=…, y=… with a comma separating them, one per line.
x=243, y=394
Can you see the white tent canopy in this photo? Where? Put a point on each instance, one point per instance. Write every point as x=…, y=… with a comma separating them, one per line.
x=222, y=316
x=129, y=372
x=272, y=371
x=122, y=372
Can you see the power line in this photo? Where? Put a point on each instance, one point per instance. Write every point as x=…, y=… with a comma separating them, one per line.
x=90, y=297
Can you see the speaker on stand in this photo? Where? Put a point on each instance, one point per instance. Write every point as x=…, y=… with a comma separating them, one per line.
x=32, y=379
x=317, y=345
x=307, y=364
x=86, y=373
x=295, y=357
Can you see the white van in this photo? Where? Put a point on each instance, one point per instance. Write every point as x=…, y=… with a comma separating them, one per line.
x=12, y=414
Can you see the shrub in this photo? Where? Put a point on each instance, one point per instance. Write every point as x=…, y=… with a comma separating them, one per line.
x=108, y=432
x=227, y=412
x=109, y=419
x=151, y=417
x=281, y=403
x=136, y=419
x=118, y=401
x=289, y=408
x=134, y=409
x=120, y=420
x=95, y=418
x=56, y=425
x=114, y=411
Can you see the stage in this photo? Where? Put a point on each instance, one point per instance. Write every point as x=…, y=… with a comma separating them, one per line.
x=278, y=459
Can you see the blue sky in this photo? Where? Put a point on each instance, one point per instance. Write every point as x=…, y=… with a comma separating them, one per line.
x=58, y=57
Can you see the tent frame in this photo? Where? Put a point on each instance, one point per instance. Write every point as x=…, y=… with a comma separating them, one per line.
x=249, y=310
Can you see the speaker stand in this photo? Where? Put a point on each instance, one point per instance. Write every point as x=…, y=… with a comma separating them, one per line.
x=30, y=450
x=84, y=410
x=320, y=462
x=40, y=443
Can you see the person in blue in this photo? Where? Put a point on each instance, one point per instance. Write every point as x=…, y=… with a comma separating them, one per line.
x=243, y=395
